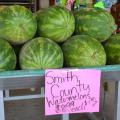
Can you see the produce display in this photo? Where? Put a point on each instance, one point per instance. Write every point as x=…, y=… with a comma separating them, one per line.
x=56, y=23
x=7, y=56
x=56, y=37
x=94, y=22
x=41, y=53
x=112, y=48
x=17, y=24
x=83, y=51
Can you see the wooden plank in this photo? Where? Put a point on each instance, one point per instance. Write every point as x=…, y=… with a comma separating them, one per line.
x=21, y=82
x=35, y=78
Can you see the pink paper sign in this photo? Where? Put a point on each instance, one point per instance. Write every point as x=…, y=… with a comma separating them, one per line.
x=72, y=91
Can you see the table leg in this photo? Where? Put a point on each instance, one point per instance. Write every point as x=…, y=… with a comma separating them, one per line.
x=92, y=116
x=117, y=102
x=7, y=93
x=2, y=114
x=65, y=117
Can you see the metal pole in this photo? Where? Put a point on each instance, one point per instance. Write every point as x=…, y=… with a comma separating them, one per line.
x=2, y=114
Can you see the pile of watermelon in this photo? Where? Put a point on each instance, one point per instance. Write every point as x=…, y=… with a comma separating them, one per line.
x=56, y=37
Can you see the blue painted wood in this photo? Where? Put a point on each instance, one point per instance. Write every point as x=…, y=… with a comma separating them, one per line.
x=29, y=73
x=21, y=73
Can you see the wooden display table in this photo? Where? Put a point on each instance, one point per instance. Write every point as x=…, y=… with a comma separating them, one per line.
x=35, y=79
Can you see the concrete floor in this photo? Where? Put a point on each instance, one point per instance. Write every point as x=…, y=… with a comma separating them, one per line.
x=34, y=109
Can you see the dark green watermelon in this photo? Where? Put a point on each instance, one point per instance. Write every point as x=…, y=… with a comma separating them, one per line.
x=7, y=56
x=112, y=48
x=17, y=24
x=83, y=51
x=56, y=23
x=41, y=53
x=94, y=22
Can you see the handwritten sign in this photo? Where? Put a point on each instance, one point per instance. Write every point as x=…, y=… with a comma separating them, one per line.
x=72, y=91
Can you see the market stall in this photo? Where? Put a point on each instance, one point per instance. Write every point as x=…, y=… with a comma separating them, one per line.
x=71, y=35
x=35, y=79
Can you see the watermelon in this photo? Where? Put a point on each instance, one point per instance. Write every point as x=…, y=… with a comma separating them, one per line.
x=83, y=51
x=94, y=22
x=41, y=53
x=56, y=23
x=17, y=24
x=7, y=56
x=112, y=48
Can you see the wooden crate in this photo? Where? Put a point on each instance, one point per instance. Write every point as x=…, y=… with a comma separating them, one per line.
x=33, y=5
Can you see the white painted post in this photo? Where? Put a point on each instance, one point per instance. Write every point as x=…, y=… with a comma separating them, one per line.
x=2, y=114
x=65, y=117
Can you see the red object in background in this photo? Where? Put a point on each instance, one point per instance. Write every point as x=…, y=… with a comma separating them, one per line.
x=70, y=2
x=52, y=2
x=115, y=11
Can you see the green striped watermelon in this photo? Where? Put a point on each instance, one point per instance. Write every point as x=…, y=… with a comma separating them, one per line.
x=41, y=53
x=94, y=22
x=112, y=48
x=7, y=56
x=17, y=24
x=83, y=51
x=56, y=23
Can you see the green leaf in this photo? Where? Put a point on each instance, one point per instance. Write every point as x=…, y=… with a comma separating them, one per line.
x=100, y=5
x=63, y=2
x=77, y=2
